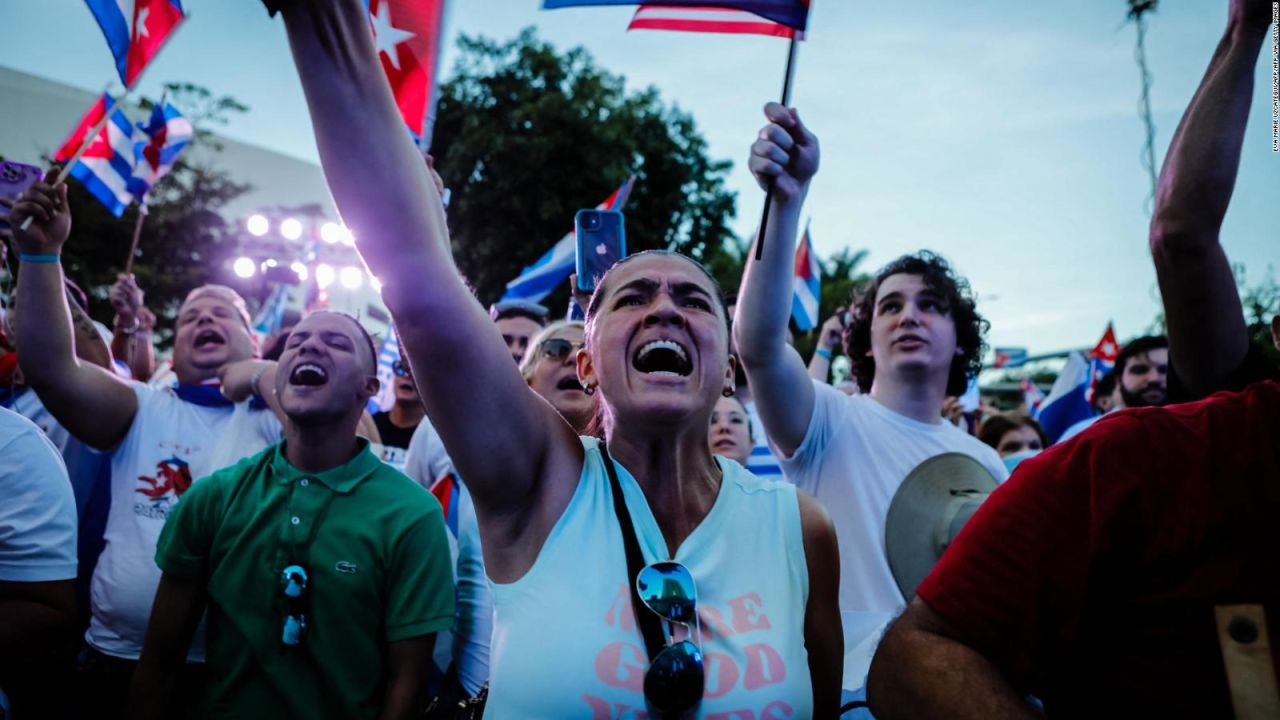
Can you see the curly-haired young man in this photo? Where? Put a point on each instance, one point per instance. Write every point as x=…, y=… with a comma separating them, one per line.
x=915, y=338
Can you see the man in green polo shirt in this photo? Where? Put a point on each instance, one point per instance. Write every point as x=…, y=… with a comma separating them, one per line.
x=325, y=572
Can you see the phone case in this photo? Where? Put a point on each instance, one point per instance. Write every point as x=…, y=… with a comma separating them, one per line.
x=601, y=236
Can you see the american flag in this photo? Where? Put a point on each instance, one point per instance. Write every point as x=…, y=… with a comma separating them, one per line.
x=708, y=20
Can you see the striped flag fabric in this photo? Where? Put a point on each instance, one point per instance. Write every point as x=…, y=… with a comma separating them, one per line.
x=808, y=285
x=708, y=20
x=135, y=31
x=106, y=166
x=792, y=13
x=387, y=358
x=538, y=280
x=1009, y=357
x=164, y=137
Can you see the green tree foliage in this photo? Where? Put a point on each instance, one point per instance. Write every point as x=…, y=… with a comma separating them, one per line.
x=526, y=136
x=183, y=238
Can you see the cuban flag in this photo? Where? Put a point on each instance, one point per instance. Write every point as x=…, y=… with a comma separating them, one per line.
x=387, y=358
x=271, y=315
x=1009, y=357
x=106, y=166
x=164, y=137
x=407, y=35
x=1107, y=349
x=136, y=30
x=792, y=13
x=708, y=20
x=1069, y=399
x=1031, y=396
x=446, y=492
x=539, y=279
x=808, y=283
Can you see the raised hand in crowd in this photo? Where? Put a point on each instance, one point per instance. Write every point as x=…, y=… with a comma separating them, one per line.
x=88, y=400
x=785, y=156
x=131, y=335
x=1209, y=345
x=830, y=338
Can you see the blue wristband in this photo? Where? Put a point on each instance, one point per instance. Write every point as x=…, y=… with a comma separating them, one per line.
x=46, y=259
x=824, y=353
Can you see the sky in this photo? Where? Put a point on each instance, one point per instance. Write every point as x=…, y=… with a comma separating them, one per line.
x=1003, y=134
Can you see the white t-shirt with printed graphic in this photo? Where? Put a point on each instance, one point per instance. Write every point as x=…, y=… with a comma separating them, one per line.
x=170, y=444
x=855, y=454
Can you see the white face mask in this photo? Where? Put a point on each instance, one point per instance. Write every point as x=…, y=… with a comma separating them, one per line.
x=1011, y=461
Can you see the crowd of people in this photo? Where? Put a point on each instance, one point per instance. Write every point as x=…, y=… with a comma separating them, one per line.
x=660, y=511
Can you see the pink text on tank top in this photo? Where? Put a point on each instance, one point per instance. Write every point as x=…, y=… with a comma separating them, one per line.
x=623, y=664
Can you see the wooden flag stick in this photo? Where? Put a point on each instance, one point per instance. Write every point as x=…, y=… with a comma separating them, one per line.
x=786, y=100
x=137, y=234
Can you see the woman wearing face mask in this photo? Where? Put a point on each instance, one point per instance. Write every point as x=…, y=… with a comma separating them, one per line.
x=1014, y=436
x=743, y=572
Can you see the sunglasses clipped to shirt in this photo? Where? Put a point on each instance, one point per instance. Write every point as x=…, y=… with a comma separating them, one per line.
x=674, y=682
x=293, y=584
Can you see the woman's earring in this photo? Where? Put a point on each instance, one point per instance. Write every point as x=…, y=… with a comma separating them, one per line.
x=727, y=392
x=588, y=388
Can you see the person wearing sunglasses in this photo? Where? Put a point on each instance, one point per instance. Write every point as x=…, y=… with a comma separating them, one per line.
x=325, y=571
x=737, y=611
x=550, y=368
x=397, y=425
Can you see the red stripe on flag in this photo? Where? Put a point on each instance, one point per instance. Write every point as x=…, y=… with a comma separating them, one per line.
x=711, y=26
x=77, y=137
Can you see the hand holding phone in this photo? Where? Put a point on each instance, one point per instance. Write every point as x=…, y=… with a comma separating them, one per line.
x=602, y=242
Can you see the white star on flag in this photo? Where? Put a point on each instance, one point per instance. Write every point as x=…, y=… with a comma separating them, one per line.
x=140, y=27
x=387, y=36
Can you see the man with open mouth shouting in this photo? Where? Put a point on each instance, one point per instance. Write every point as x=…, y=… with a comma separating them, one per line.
x=160, y=440
x=326, y=572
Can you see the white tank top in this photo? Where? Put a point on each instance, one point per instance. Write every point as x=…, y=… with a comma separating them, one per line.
x=565, y=642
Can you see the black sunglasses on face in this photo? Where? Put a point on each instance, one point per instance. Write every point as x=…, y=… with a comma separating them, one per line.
x=557, y=348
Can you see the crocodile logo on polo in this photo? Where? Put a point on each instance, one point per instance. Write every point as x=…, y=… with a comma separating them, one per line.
x=343, y=566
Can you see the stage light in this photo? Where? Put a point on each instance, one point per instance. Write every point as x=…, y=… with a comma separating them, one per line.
x=351, y=277
x=269, y=263
x=244, y=267
x=324, y=275
x=346, y=237
x=300, y=269
x=331, y=232
x=291, y=229
x=258, y=225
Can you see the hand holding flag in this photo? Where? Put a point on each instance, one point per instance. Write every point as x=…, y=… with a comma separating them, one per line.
x=785, y=155
x=42, y=217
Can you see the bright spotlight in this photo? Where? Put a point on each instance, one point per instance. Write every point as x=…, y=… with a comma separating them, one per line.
x=346, y=237
x=244, y=267
x=375, y=283
x=351, y=277
x=258, y=225
x=324, y=275
x=331, y=232
x=291, y=229
x=269, y=263
x=300, y=270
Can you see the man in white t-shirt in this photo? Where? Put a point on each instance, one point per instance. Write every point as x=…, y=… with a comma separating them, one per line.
x=161, y=439
x=37, y=570
x=914, y=338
